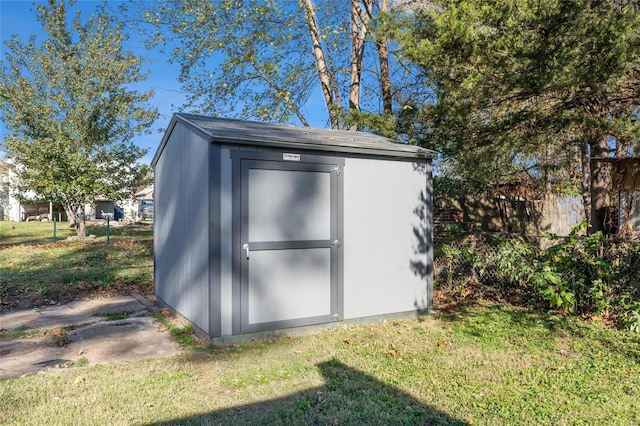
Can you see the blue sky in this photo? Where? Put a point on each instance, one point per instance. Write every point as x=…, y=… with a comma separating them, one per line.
x=19, y=17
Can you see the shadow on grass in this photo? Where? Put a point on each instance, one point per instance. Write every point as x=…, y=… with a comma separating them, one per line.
x=347, y=397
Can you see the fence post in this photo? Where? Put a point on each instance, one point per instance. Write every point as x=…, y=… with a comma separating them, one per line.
x=54, y=229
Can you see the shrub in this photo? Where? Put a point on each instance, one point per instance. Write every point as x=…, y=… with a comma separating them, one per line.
x=588, y=275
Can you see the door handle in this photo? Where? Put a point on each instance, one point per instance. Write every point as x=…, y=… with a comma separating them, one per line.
x=245, y=247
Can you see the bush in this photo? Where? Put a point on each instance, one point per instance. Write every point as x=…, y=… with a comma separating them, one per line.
x=584, y=275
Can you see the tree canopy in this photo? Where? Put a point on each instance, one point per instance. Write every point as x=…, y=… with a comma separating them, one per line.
x=531, y=90
x=265, y=59
x=71, y=112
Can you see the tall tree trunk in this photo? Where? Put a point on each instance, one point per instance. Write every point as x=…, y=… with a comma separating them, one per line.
x=586, y=180
x=600, y=179
x=359, y=22
x=380, y=41
x=385, y=78
x=81, y=228
x=626, y=204
x=337, y=99
x=321, y=63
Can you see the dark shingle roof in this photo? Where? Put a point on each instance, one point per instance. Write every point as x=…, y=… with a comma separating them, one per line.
x=223, y=130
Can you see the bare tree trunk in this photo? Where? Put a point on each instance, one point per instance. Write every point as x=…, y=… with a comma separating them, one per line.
x=626, y=204
x=337, y=99
x=321, y=63
x=81, y=229
x=622, y=147
x=359, y=22
x=385, y=78
x=380, y=41
x=600, y=180
x=627, y=210
x=586, y=180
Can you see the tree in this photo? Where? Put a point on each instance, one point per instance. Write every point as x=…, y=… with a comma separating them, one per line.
x=70, y=110
x=5, y=172
x=264, y=59
x=531, y=89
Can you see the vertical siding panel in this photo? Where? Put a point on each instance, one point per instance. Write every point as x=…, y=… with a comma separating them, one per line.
x=181, y=225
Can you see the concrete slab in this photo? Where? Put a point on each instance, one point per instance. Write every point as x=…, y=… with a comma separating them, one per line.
x=77, y=312
x=89, y=336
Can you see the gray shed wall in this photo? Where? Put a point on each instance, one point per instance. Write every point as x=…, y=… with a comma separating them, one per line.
x=386, y=236
x=181, y=242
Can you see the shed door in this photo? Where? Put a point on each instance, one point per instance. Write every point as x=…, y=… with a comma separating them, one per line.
x=288, y=244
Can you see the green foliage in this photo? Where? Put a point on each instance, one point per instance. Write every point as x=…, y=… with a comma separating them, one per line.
x=183, y=335
x=70, y=110
x=633, y=321
x=244, y=59
x=81, y=362
x=521, y=88
x=513, y=260
x=581, y=274
x=553, y=288
x=255, y=59
x=453, y=255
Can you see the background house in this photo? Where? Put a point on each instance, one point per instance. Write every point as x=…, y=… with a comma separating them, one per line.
x=13, y=209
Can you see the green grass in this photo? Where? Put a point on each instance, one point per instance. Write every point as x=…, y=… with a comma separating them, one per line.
x=32, y=232
x=485, y=364
x=478, y=364
x=14, y=233
x=116, y=316
x=34, y=271
x=185, y=335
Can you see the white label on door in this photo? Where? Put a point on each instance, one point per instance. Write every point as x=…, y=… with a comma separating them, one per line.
x=291, y=157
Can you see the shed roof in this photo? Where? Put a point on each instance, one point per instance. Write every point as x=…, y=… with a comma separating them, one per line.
x=224, y=130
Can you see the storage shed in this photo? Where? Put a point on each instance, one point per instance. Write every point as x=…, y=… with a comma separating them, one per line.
x=262, y=227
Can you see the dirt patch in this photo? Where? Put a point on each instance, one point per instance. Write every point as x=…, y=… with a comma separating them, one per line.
x=86, y=332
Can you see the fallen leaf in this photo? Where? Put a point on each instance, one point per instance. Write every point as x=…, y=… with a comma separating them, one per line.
x=59, y=332
x=393, y=352
x=441, y=343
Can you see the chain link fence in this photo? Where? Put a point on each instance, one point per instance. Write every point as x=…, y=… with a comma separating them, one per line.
x=475, y=259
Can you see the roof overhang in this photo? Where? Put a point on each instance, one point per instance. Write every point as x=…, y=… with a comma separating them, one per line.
x=240, y=132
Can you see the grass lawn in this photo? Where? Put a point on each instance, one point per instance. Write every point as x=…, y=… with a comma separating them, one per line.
x=486, y=364
x=35, y=271
x=14, y=233
x=481, y=363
